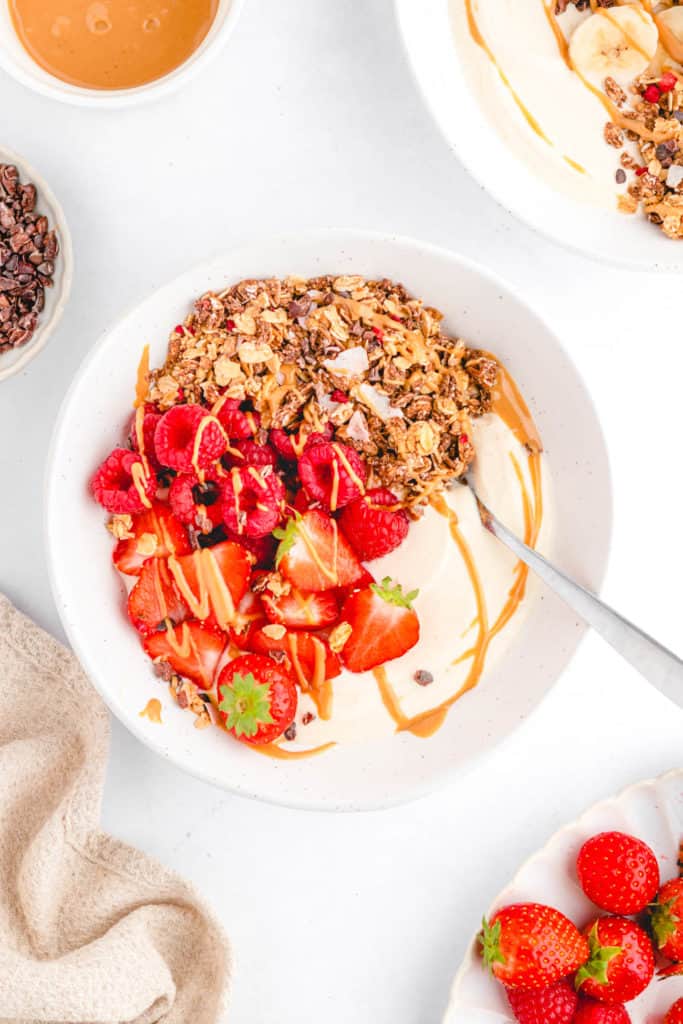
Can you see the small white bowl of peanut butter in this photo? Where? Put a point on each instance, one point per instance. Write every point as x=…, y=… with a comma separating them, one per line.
x=111, y=54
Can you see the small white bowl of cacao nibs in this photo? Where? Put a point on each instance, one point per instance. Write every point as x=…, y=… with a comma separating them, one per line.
x=35, y=263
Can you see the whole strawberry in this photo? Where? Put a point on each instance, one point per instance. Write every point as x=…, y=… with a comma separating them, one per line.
x=666, y=920
x=675, y=1013
x=618, y=872
x=621, y=961
x=590, y=1012
x=531, y=946
x=552, y=1005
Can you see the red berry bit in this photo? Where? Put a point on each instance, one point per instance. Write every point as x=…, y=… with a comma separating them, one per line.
x=253, y=501
x=667, y=82
x=339, y=396
x=187, y=438
x=333, y=474
x=640, y=171
x=652, y=94
x=122, y=485
x=618, y=872
x=374, y=524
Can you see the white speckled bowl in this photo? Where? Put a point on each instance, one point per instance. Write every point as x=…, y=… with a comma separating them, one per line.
x=56, y=297
x=88, y=592
x=18, y=63
x=651, y=810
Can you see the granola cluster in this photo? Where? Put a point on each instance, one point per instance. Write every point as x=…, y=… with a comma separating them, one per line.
x=362, y=355
x=654, y=122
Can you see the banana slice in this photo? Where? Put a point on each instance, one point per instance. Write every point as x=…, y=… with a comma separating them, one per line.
x=670, y=24
x=616, y=41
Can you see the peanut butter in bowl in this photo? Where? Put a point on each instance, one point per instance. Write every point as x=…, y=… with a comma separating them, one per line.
x=111, y=44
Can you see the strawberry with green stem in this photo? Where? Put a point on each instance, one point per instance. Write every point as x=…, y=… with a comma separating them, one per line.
x=257, y=698
x=384, y=625
x=621, y=962
x=530, y=946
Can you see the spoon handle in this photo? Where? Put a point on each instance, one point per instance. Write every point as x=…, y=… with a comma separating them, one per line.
x=658, y=665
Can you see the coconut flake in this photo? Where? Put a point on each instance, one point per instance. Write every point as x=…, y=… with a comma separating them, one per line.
x=674, y=176
x=352, y=361
x=378, y=402
x=357, y=428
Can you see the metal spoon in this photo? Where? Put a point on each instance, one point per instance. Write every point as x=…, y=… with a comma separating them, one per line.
x=658, y=665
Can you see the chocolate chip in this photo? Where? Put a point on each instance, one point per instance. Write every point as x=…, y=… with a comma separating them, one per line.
x=307, y=718
x=423, y=678
x=290, y=734
x=620, y=176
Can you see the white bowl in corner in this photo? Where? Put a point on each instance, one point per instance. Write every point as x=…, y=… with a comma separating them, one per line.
x=56, y=297
x=603, y=234
x=17, y=62
x=652, y=811
x=88, y=593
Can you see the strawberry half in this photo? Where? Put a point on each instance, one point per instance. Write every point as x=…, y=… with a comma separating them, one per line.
x=384, y=625
x=154, y=598
x=312, y=653
x=192, y=650
x=315, y=555
x=301, y=609
x=212, y=581
x=156, y=534
x=257, y=698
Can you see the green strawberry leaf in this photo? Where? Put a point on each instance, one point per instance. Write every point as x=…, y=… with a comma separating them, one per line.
x=663, y=922
x=246, y=704
x=598, y=962
x=489, y=940
x=287, y=537
x=392, y=593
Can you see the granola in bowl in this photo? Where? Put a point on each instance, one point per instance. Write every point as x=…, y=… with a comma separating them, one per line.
x=305, y=568
x=594, y=108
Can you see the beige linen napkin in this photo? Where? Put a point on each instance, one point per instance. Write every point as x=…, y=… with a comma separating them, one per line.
x=90, y=930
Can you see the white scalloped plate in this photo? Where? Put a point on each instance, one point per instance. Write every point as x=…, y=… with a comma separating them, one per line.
x=651, y=810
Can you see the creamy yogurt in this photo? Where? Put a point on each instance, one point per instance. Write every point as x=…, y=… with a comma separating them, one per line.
x=431, y=560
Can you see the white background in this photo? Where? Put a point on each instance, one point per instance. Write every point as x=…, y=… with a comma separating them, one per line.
x=308, y=119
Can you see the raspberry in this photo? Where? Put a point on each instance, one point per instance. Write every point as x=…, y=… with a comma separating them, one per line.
x=262, y=548
x=113, y=484
x=149, y=422
x=252, y=501
x=175, y=436
x=252, y=454
x=552, y=1005
x=373, y=525
x=196, y=503
x=239, y=424
x=333, y=474
x=290, y=446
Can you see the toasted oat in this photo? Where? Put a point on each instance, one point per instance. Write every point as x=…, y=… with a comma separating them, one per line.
x=339, y=635
x=286, y=346
x=121, y=526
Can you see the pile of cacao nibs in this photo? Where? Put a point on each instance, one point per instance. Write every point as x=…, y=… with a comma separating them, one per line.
x=28, y=250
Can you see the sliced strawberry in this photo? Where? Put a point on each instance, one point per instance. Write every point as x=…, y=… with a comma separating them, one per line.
x=383, y=623
x=257, y=698
x=154, y=598
x=157, y=534
x=250, y=617
x=314, y=554
x=311, y=653
x=212, y=581
x=301, y=609
x=192, y=650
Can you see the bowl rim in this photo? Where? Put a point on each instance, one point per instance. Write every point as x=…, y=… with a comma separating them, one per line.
x=116, y=99
x=346, y=237
x=507, y=200
x=45, y=329
x=606, y=802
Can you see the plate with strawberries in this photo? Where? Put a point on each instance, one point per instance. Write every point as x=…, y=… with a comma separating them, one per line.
x=265, y=467
x=590, y=931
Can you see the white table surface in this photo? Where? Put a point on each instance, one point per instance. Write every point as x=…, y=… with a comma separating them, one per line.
x=310, y=118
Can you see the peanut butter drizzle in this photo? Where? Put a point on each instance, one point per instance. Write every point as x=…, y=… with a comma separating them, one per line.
x=140, y=478
x=142, y=380
x=507, y=403
x=152, y=711
x=214, y=593
x=282, y=754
